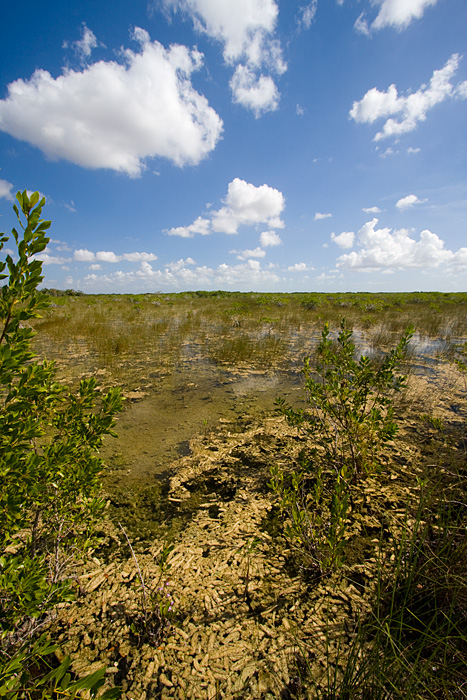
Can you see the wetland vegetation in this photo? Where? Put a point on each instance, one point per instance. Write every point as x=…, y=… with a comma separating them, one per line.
x=311, y=549
x=200, y=433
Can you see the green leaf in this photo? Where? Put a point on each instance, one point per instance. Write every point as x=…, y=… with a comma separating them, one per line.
x=34, y=198
x=49, y=465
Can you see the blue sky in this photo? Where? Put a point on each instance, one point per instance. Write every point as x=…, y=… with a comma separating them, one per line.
x=251, y=145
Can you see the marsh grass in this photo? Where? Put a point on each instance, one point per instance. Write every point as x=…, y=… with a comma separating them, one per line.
x=240, y=349
x=413, y=643
x=125, y=337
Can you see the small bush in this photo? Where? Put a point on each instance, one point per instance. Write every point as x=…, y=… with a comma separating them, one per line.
x=350, y=413
x=49, y=472
x=349, y=420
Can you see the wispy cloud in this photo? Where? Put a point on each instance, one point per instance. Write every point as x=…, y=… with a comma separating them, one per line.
x=393, y=13
x=307, y=15
x=83, y=47
x=408, y=202
x=6, y=190
x=411, y=109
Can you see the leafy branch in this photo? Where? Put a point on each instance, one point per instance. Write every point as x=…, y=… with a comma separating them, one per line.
x=49, y=471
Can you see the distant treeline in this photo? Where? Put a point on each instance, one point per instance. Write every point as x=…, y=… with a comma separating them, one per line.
x=310, y=300
x=63, y=292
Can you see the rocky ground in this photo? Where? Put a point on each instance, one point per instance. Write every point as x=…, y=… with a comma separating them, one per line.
x=247, y=623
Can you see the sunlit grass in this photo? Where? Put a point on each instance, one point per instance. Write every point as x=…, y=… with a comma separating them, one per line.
x=116, y=333
x=413, y=645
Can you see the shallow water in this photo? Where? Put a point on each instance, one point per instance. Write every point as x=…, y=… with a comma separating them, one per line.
x=155, y=430
x=196, y=395
x=430, y=348
x=185, y=393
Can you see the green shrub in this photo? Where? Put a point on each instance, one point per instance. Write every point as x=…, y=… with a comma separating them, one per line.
x=350, y=413
x=49, y=470
x=349, y=420
x=315, y=512
x=460, y=360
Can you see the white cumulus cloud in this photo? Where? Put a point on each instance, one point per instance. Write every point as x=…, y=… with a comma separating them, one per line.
x=269, y=238
x=408, y=201
x=300, y=267
x=201, y=226
x=48, y=259
x=409, y=110
x=371, y=210
x=108, y=256
x=246, y=30
x=400, y=13
x=345, y=239
x=5, y=190
x=116, y=115
x=244, y=27
x=247, y=254
x=184, y=274
x=84, y=255
x=248, y=275
x=181, y=264
x=385, y=250
x=393, y=13
x=319, y=216
x=246, y=205
x=138, y=257
x=259, y=94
